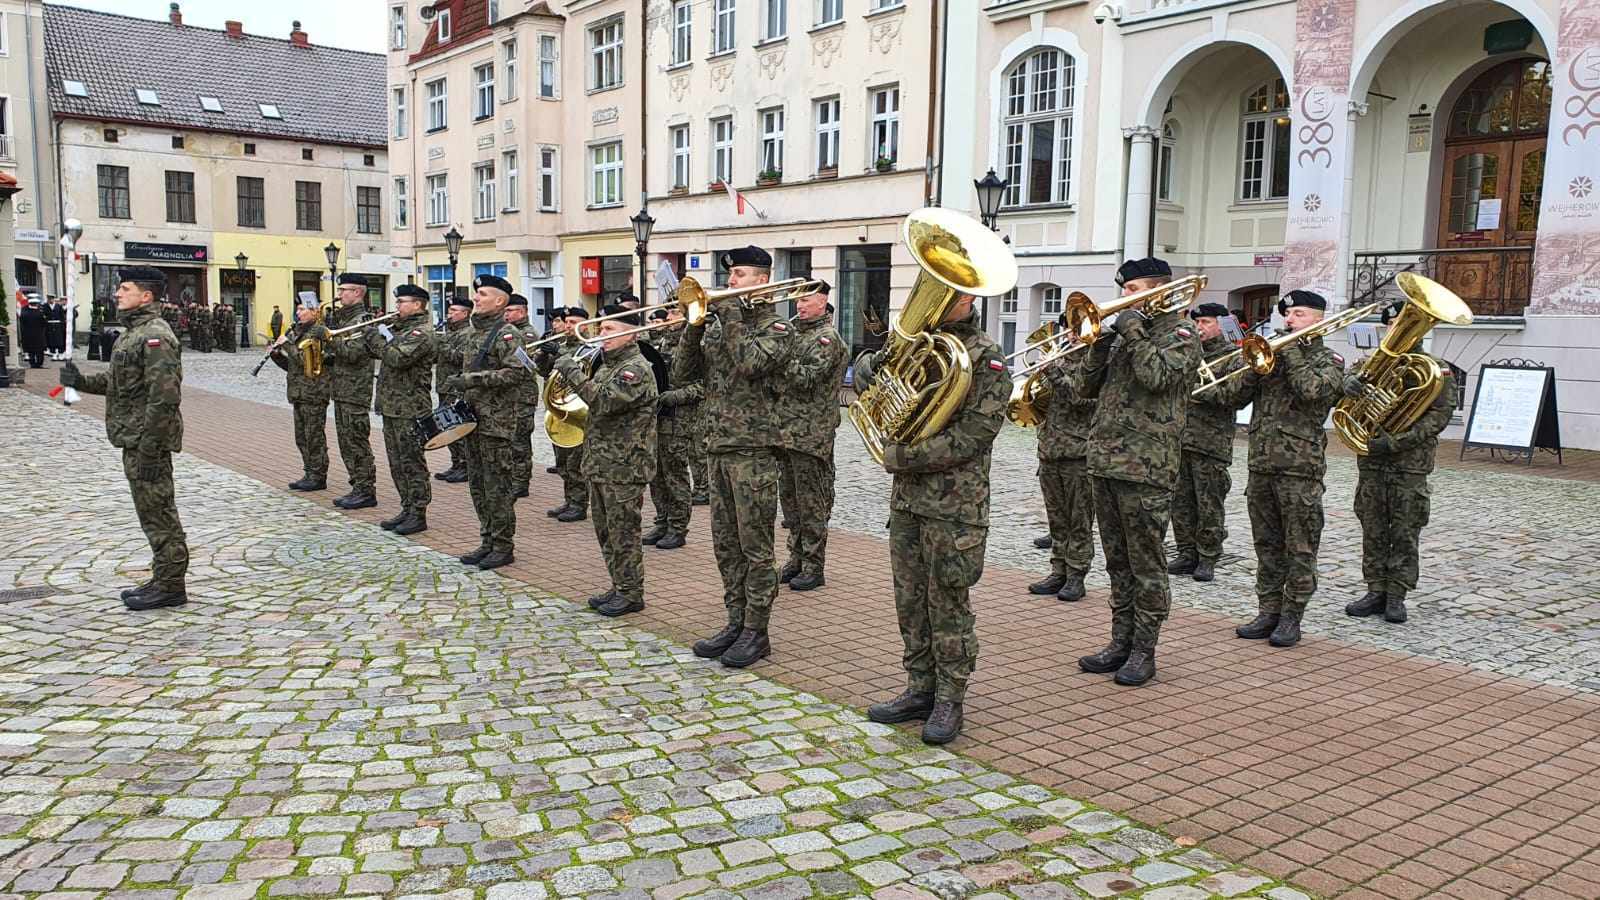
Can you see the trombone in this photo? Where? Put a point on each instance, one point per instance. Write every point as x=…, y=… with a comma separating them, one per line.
x=1085, y=318
x=359, y=326
x=1260, y=355
x=696, y=303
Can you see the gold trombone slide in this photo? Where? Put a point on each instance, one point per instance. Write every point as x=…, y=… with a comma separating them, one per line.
x=1260, y=355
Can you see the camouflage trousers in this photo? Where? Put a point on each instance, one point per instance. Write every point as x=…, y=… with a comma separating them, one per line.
x=935, y=563
x=355, y=448
x=1197, y=506
x=1069, y=506
x=1393, y=508
x=311, y=436
x=407, y=465
x=1286, y=526
x=698, y=475
x=458, y=448
x=670, y=492
x=1133, y=531
x=157, y=508
x=569, y=464
x=744, y=503
x=490, y=466
x=806, y=498
x=615, y=508
x=522, y=443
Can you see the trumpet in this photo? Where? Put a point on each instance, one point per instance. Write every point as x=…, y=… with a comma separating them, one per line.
x=1260, y=355
x=696, y=303
x=359, y=326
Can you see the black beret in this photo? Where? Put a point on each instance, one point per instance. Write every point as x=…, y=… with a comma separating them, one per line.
x=410, y=290
x=142, y=275
x=631, y=319
x=1292, y=299
x=658, y=315
x=627, y=297
x=747, y=256
x=1209, y=310
x=492, y=281
x=830, y=309
x=459, y=300
x=353, y=278
x=823, y=287
x=1149, y=267
x=576, y=312
x=517, y=300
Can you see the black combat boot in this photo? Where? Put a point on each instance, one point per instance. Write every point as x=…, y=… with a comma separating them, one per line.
x=444, y=476
x=1259, y=627
x=495, y=559
x=619, y=605
x=672, y=540
x=1071, y=589
x=1370, y=604
x=458, y=476
x=1205, y=570
x=1140, y=666
x=943, y=724
x=476, y=556
x=751, y=646
x=155, y=597
x=789, y=571
x=389, y=523
x=1048, y=584
x=653, y=535
x=573, y=514
x=413, y=523
x=552, y=513
x=130, y=593
x=1115, y=653
x=1184, y=563
x=341, y=501
x=521, y=492
x=552, y=470
x=1042, y=542
x=714, y=646
x=303, y=483
x=807, y=581
x=599, y=600
x=359, y=501
x=907, y=707
x=1394, y=609
x=1287, y=634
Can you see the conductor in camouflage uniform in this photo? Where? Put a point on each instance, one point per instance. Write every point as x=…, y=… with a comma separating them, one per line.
x=308, y=397
x=1064, y=480
x=1287, y=464
x=620, y=459
x=527, y=401
x=569, y=460
x=1141, y=377
x=677, y=407
x=739, y=355
x=938, y=531
x=447, y=362
x=810, y=399
x=1198, y=513
x=142, y=390
x=491, y=376
x=405, y=354
x=350, y=365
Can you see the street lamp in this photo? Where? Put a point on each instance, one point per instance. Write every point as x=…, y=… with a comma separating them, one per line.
x=242, y=262
x=643, y=224
x=991, y=191
x=332, y=253
x=452, y=246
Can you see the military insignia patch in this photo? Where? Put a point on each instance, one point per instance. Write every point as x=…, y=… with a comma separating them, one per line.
x=824, y=341
x=415, y=333
x=997, y=365
x=153, y=342
x=628, y=376
x=780, y=327
x=1338, y=359
x=508, y=337
x=1184, y=332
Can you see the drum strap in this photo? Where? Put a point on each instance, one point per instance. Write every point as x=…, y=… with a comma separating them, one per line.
x=483, y=352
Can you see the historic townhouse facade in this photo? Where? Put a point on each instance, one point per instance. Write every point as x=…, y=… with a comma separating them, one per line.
x=26, y=153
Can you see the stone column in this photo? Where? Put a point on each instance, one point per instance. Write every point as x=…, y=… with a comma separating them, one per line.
x=1141, y=166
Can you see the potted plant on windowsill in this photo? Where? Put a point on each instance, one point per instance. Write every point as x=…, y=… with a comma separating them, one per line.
x=828, y=172
x=884, y=164
x=678, y=190
x=770, y=176
x=717, y=186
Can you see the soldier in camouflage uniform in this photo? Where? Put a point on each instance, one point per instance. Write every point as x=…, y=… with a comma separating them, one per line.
x=670, y=492
x=405, y=352
x=527, y=401
x=620, y=455
x=350, y=366
x=569, y=460
x=173, y=316
x=200, y=322
x=1287, y=464
x=1392, y=503
x=447, y=362
x=142, y=390
x=1198, y=516
x=1064, y=480
x=308, y=397
x=1141, y=377
x=222, y=323
x=938, y=531
x=809, y=396
x=739, y=356
x=490, y=379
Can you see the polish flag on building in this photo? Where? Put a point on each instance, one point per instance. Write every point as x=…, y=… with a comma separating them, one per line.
x=740, y=202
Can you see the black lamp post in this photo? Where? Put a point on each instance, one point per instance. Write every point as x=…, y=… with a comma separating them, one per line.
x=643, y=224
x=242, y=262
x=991, y=191
x=332, y=253
x=452, y=246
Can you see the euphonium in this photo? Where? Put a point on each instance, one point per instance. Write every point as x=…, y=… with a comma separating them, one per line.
x=925, y=374
x=566, y=415
x=1030, y=394
x=1401, y=383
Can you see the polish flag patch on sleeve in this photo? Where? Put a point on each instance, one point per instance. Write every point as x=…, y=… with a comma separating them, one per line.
x=997, y=365
x=153, y=342
x=508, y=337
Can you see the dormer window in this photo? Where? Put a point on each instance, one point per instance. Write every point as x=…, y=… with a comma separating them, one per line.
x=147, y=97
x=74, y=88
x=210, y=104
x=444, y=25
x=269, y=111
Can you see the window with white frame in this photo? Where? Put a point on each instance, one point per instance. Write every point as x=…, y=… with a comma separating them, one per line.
x=397, y=27
x=513, y=180
x=777, y=19
x=605, y=53
x=494, y=11
x=722, y=150
x=438, y=98
x=829, y=11
x=1049, y=303
x=402, y=204
x=682, y=31
x=400, y=124
x=483, y=91
x=605, y=170
x=1041, y=96
x=1165, y=159
x=483, y=207
x=886, y=4
x=548, y=59
x=772, y=141
x=508, y=62
x=827, y=119
x=549, y=183
x=1008, y=303
x=1264, y=143
x=439, y=199
x=680, y=157
x=886, y=125
x=443, y=19
x=723, y=26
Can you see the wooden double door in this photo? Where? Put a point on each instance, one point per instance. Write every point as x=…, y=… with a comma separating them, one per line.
x=1489, y=201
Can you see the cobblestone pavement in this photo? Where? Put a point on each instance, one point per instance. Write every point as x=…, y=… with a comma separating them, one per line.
x=340, y=712
x=1508, y=582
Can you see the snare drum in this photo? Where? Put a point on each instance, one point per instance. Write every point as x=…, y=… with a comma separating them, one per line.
x=445, y=425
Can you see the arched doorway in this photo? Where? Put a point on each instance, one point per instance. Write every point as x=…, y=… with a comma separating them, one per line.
x=1490, y=185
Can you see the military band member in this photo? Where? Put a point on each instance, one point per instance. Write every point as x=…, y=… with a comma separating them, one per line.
x=308, y=397
x=350, y=366
x=405, y=352
x=938, y=531
x=142, y=390
x=739, y=356
x=1198, y=513
x=490, y=378
x=809, y=387
x=528, y=402
x=569, y=460
x=200, y=327
x=670, y=492
x=1141, y=377
x=447, y=362
x=1287, y=464
x=1064, y=480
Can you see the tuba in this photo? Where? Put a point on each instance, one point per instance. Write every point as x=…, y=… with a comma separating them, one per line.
x=566, y=415
x=1401, y=383
x=925, y=374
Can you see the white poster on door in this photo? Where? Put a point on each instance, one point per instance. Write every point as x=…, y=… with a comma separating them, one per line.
x=1567, y=253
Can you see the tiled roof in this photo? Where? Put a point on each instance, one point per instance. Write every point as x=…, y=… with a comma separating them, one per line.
x=469, y=20
x=324, y=94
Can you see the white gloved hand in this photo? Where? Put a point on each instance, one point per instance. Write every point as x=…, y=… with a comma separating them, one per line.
x=388, y=334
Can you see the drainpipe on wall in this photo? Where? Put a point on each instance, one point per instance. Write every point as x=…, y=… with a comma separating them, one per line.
x=939, y=49
x=33, y=131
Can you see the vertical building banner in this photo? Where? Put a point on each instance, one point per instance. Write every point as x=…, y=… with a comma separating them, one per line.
x=1566, y=260
x=1320, y=140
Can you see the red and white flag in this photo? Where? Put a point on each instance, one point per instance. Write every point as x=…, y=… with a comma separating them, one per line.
x=741, y=202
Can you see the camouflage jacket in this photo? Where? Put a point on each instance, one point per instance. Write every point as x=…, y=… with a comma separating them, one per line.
x=1415, y=447
x=143, y=387
x=947, y=476
x=287, y=358
x=1286, y=435
x=405, y=374
x=545, y=357
x=447, y=354
x=347, y=360
x=619, y=441
x=1210, y=429
x=1064, y=433
x=199, y=318
x=1142, y=381
x=810, y=384
x=528, y=392
x=739, y=358
x=493, y=385
x=680, y=402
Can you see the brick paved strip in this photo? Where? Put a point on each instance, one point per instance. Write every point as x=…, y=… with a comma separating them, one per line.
x=1344, y=769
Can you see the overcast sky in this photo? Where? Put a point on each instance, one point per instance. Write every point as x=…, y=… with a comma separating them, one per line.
x=354, y=24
